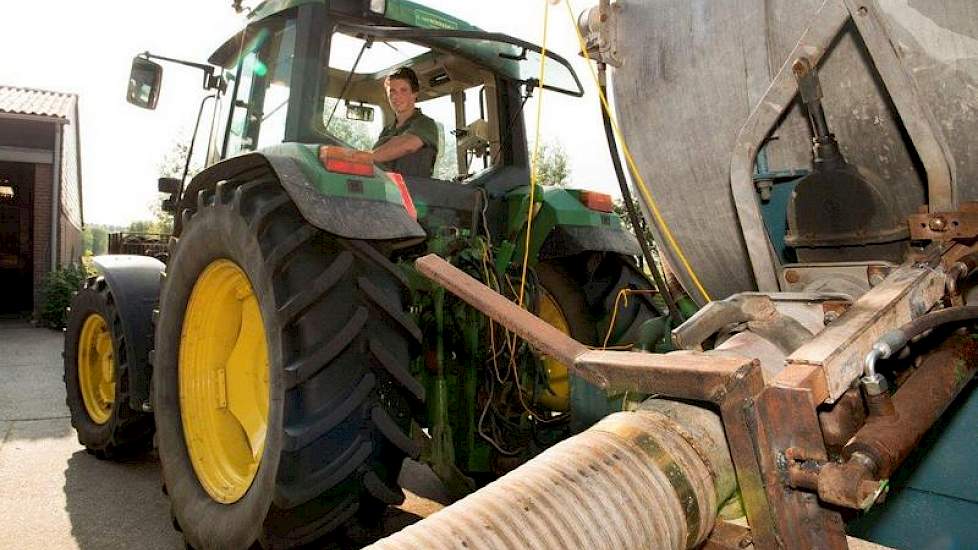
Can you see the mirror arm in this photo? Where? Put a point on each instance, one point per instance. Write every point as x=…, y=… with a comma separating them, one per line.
x=190, y=149
x=211, y=81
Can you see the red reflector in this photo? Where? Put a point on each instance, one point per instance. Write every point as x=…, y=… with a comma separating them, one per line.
x=346, y=161
x=597, y=201
x=405, y=194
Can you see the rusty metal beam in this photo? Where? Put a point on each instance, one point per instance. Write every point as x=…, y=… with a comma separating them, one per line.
x=531, y=328
x=787, y=424
x=688, y=375
x=919, y=402
x=944, y=226
x=728, y=536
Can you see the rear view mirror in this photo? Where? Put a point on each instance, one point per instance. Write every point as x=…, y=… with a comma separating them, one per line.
x=362, y=113
x=144, y=83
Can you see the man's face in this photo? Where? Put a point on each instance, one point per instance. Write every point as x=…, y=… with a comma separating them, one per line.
x=400, y=96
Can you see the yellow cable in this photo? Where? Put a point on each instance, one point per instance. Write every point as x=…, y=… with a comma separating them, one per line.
x=640, y=182
x=536, y=153
x=622, y=297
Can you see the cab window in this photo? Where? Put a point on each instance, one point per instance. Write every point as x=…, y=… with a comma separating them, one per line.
x=452, y=93
x=261, y=89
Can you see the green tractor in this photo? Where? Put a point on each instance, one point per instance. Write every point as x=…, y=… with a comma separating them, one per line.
x=288, y=357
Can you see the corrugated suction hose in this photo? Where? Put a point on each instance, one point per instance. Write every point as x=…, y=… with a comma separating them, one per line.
x=652, y=478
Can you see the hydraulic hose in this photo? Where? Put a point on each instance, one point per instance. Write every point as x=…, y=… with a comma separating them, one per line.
x=894, y=340
x=626, y=195
x=961, y=270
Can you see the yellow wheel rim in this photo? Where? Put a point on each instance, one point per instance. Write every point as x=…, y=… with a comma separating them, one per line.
x=223, y=378
x=96, y=368
x=559, y=399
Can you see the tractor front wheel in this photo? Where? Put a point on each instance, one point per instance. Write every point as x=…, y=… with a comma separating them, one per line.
x=95, y=376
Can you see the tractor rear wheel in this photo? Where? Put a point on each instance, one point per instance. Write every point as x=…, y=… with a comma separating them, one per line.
x=282, y=392
x=578, y=297
x=585, y=288
x=96, y=377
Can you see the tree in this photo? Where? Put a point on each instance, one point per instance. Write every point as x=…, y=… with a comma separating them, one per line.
x=171, y=165
x=96, y=239
x=552, y=166
x=353, y=132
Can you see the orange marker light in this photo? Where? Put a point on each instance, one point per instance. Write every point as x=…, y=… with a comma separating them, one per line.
x=597, y=201
x=405, y=194
x=346, y=161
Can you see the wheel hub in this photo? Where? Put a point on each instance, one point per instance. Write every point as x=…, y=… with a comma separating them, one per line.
x=224, y=381
x=96, y=368
x=557, y=396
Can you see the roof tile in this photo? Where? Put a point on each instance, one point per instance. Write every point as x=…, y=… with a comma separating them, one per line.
x=28, y=101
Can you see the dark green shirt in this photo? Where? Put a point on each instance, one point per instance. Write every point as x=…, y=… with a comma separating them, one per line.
x=421, y=162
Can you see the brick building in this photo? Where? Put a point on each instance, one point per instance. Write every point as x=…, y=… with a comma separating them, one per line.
x=40, y=192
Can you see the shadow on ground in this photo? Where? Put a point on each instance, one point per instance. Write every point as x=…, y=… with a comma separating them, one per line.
x=118, y=504
x=424, y=494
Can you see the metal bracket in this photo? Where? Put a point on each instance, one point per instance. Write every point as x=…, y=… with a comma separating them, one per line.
x=917, y=118
x=827, y=22
x=600, y=30
x=945, y=226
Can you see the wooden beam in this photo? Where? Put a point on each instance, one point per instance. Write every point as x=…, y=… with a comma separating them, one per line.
x=840, y=349
x=26, y=154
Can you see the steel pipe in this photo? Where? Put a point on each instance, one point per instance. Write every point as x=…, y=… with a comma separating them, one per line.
x=652, y=478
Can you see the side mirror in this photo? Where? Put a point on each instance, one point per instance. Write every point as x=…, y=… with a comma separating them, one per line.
x=363, y=113
x=144, y=83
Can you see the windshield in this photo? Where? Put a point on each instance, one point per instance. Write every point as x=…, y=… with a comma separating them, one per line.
x=504, y=54
x=452, y=94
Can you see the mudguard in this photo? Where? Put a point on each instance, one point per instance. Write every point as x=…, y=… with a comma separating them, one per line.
x=134, y=282
x=353, y=207
x=563, y=226
x=568, y=240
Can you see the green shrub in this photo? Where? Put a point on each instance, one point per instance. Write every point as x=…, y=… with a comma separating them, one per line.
x=56, y=292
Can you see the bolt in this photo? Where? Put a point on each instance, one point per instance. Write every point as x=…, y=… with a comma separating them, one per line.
x=792, y=276
x=793, y=453
x=800, y=67
x=862, y=10
x=868, y=488
x=876, y=274
x=937, y=223
x=830, y=317
x=874, y=385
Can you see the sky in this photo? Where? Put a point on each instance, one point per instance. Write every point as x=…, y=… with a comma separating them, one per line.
x=87, y=48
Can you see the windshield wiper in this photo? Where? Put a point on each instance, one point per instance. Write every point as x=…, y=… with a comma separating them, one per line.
x=349, y=77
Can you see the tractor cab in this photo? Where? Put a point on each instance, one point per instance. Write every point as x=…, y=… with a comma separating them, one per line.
x=313, y=72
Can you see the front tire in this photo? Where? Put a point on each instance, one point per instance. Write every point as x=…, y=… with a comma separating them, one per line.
x=324, y=402
x=96, y=376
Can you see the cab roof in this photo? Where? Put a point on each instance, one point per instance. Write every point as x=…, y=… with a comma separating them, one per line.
x=403, y=12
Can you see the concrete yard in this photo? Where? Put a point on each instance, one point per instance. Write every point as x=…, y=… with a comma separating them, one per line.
x=54, y=495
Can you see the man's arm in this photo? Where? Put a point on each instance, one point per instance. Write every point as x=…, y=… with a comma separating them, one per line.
x=397, y=147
